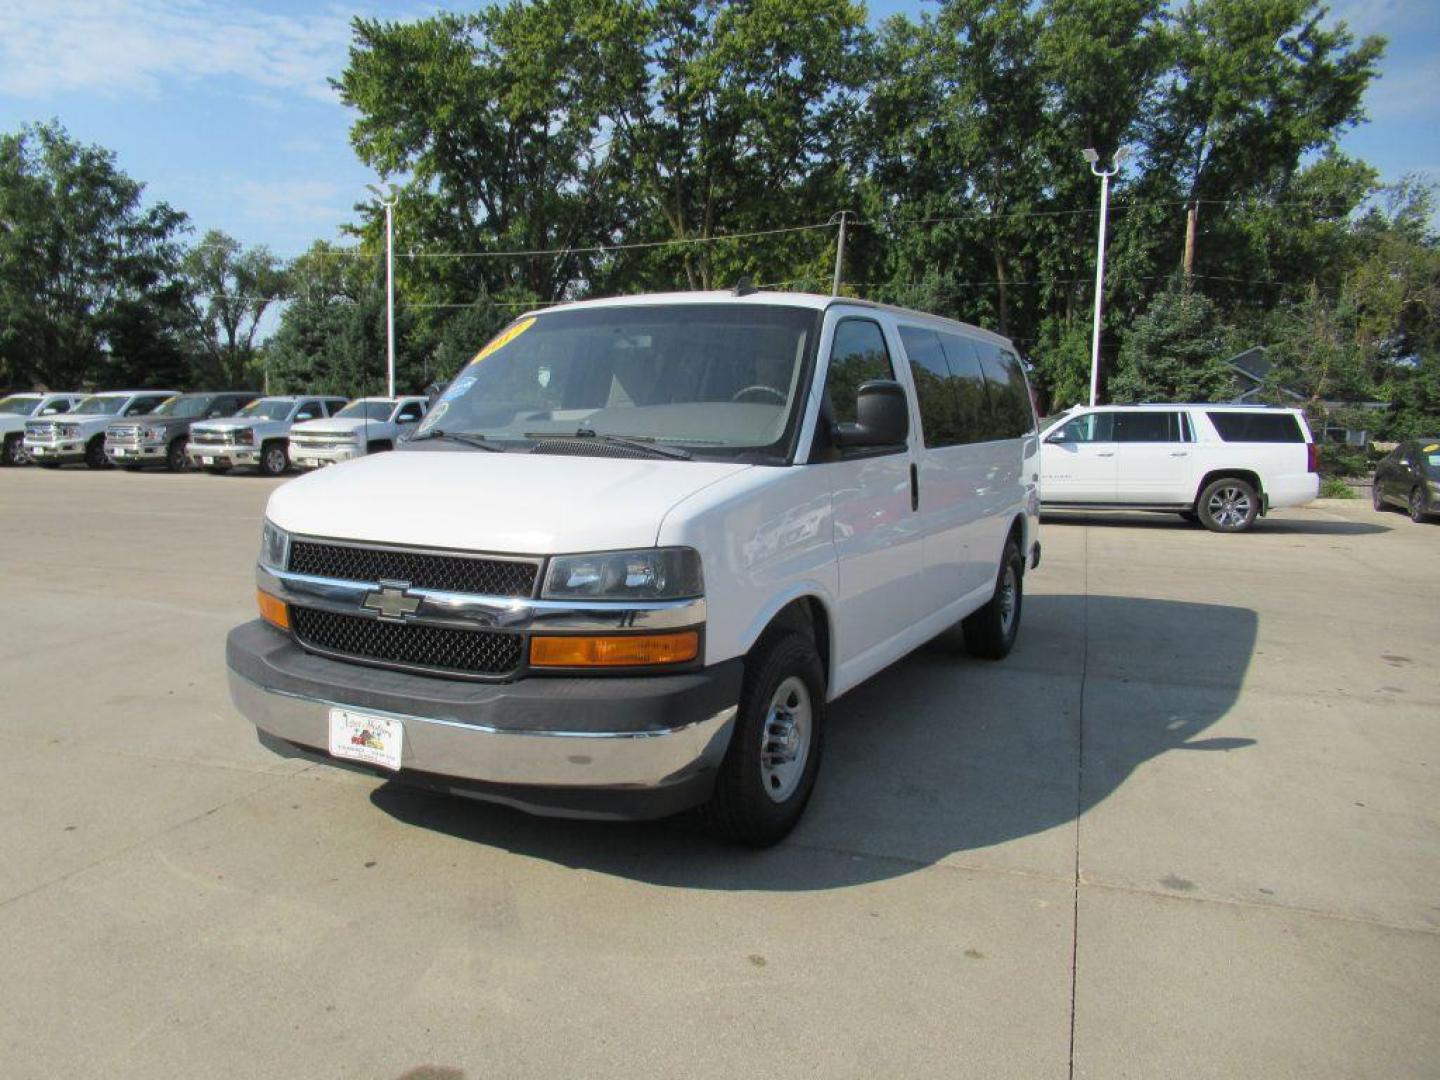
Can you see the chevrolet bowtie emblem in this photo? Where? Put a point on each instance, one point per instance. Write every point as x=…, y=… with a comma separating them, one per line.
x=392, y=602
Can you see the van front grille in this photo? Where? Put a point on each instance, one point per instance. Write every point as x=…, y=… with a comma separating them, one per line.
x=418, y=569
x=445, y=651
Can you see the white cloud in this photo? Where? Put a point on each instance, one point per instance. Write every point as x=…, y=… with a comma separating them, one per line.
x=126, y=47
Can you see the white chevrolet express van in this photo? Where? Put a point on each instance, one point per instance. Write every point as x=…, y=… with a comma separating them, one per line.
x=638, y=545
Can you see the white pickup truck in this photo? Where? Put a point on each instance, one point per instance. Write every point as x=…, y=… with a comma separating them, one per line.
x=1221, y=465
x=258, y=436
x=18, y=408
x=636, y=548
x=365, y=426
x=79, y=435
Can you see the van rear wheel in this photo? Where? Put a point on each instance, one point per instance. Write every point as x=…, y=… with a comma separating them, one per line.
x=990, y=632
x=770, y=766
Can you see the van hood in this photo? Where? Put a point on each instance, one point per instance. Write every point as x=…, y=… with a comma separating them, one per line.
x=512, y=503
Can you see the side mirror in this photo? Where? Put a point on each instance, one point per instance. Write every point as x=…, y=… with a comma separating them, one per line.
x=882, y=417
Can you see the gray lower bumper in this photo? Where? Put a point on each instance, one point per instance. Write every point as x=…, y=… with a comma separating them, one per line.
x=619, y=747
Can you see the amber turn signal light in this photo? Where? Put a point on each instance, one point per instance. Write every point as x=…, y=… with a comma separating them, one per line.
x=273, y=610
x=629, y=650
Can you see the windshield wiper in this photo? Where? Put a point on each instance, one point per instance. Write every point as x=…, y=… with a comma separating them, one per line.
x=468, y=438
x=645, y=444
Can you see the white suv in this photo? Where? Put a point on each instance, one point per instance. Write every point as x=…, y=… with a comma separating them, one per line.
x=638, y=545
x=1223, y=465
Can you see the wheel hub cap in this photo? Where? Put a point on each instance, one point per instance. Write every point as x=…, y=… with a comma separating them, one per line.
x=785, y=739
x=1229, y=507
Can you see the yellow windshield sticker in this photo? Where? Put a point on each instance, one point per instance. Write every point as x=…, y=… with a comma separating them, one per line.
x=503, y=338
x=1431, y=448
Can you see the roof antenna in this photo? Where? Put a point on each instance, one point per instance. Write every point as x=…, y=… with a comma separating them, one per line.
x=744, y=287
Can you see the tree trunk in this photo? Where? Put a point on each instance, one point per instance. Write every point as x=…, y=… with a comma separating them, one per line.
x=1192, y=213
x=1004, y=285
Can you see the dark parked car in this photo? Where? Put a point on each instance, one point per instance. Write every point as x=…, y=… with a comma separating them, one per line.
x=1409, y=477
x=159, y=438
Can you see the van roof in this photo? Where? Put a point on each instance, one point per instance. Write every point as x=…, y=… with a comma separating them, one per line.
x=813, y=301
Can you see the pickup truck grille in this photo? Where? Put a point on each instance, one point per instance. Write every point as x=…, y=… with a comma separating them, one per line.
x=448, y=573
x=485, y=653
x=42, y=431
x=129, y=433
x=212, y=438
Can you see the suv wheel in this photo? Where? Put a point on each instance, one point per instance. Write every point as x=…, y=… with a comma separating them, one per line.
x=1376, y=499
x=176, y=459
x=990, y=632
x=14, y=451
x=1228, y=505
x=274, y=459
x=774, y=754
x=95, y=453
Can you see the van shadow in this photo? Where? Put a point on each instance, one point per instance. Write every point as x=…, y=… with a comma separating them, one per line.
x=1266, y=526
x=939, y=756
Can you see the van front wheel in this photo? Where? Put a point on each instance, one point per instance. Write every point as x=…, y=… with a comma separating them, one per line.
x=990, y=632
x=774, y=754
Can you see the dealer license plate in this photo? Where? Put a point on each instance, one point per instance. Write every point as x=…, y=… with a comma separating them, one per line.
x=375, y=740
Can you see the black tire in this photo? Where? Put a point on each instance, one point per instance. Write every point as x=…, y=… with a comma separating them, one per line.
x=176, y=460
x=1377, y=500
x=274, y=459
x=990, y=632
x=217, y=470
x=759, y=793
x=95, y=453
x=48, y=464
x=1416, y=505
x=13, y=453
x=132, y=468
x=378, y=446
x=1228, y=505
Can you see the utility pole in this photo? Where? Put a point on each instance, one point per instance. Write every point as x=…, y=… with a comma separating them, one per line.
x=839, y=252
x=387, y=200
x=1094, y=159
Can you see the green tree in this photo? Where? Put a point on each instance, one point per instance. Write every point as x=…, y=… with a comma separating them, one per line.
x=1176, y=351
x=88, y=275
x=232, y=288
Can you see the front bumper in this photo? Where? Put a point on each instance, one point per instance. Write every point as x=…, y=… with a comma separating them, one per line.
x=616, y=747
x=314, y=457
x=136, y=453
x=58, y=450
x=206, y=457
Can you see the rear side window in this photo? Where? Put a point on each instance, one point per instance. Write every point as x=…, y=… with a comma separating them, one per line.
x=1011, y=415
x=939, y=408
x=1257, y=427
x=972, y=400
x=857, y=356
x=1151, y=427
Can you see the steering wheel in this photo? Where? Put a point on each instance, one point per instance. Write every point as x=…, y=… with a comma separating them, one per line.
x=758, y=388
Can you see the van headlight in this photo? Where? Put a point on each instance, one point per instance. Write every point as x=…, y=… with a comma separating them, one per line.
x=274, y=547
x=648, y=574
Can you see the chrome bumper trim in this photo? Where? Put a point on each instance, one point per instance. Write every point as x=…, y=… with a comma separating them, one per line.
x=469, y=611
x=474, y=752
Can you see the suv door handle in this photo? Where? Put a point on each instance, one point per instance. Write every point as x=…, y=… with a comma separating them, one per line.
x=1179, y=453
x=914, y=488
x=1106, y=453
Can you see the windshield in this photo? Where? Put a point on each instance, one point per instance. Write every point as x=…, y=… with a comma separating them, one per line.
x=370, y=410
x=183, y=408
x=18, y=405
x=101, y=406
x=268, y=408
x=710, y=377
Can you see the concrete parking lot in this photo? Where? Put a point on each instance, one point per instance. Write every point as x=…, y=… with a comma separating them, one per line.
x=1190, y=828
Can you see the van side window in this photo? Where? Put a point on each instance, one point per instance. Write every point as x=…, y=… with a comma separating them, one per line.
x=1152, y=427
x=939, y=408
x=972, y=399
x=1011, y=415
x=857, y=356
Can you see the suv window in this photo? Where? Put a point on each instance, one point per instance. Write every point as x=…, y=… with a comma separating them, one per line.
x=1257, y=426
x=857, y=356
x=1155, y=427
x=1011, y=415
x=1086, y=428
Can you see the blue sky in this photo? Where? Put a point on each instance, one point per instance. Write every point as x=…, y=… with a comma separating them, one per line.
x=223, y=110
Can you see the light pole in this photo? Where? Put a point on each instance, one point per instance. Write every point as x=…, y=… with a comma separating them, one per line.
x=1094, y=159
x=387, y=200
